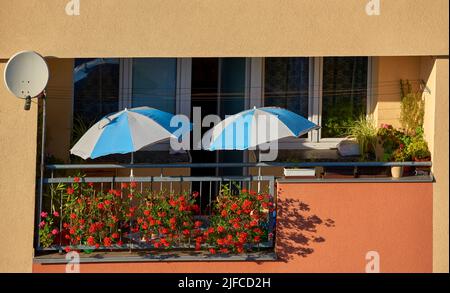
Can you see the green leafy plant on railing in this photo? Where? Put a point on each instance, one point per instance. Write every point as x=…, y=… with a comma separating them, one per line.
x=412, y=107
x=91, y=219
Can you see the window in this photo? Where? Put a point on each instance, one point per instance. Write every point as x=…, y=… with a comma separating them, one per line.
x=286, y=84
x=344, y=94
x=96, y=89
x=154, y=83
x=331, y=91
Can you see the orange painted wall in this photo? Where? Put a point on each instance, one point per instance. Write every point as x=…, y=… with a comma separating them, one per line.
x=329, y=227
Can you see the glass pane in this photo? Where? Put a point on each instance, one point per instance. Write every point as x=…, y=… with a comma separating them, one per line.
x=344, y=94
x=286, y=84
x=96, y=90
x=154, y=83
x=232, y=86
x=232, y=101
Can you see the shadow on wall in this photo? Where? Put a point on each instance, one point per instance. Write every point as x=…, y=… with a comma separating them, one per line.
x=297, y=229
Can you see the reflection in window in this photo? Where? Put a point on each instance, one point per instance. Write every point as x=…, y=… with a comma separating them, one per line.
x=344, y=96
x=286, y=84
x=154, y=83
x=96, y=91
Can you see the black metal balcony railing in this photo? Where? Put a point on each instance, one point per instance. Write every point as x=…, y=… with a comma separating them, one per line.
x=207, y=188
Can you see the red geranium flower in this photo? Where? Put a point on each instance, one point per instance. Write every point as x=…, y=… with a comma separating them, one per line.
x=70, y=190
x=107, y=241
x=224, y=213
x=220, y=229
x=198, y=224
x=115, y=235
x=124, y=185
x=212, y=251
x=73, y=216
x=76, y=179
x=146, y=212
x=67, y=249
x=133, y=184
x=91, y=241
x=246, y=204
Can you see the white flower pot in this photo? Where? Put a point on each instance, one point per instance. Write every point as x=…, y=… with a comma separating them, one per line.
x=397, y=171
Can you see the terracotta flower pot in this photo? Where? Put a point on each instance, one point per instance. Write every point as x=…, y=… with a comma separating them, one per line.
x=397, y=171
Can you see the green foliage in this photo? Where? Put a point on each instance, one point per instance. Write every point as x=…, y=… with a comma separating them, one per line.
x=80, y=127
x=394, y=143
x=365, y=133
x=412, y=108
x=418, y=147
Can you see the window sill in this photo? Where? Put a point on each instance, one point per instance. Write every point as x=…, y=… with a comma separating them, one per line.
x=141, y=256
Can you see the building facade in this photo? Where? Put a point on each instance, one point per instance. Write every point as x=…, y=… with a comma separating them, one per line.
x=227, y=56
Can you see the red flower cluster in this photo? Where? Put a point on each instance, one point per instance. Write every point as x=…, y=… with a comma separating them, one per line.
x=108, y=219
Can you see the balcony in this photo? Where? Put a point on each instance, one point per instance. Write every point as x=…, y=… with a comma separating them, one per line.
x=288, y=227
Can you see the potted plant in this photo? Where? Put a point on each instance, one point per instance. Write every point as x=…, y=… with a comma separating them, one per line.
x=419, y=152
x=364, y=132
x=399, y=155
x=394, y=145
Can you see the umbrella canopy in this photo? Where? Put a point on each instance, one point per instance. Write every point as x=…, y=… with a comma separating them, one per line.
x=251, y=128
x=124, y=132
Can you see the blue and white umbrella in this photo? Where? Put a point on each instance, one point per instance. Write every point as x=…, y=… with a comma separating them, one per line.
x=251, y=128
x=124, y=132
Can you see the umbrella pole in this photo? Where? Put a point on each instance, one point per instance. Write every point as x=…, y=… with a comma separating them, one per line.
x=259, y=172
x=132, y=163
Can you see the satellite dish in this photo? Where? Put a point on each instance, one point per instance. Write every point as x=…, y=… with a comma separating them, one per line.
x=26, y=75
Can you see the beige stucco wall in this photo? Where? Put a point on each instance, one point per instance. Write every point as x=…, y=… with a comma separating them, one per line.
x=440, y=169
x=18, y=129
x=428, y=75
x=224, y=28
x=387, y=86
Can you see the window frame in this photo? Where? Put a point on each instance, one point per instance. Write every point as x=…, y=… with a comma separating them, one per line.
x=314, y=139
x=254, y=95
x=182, y=92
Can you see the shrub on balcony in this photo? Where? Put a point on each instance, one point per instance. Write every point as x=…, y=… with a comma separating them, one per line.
x=91, y=218
x=240, y=221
